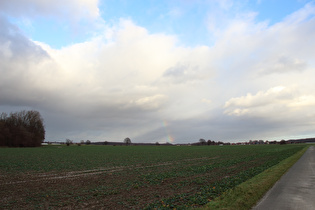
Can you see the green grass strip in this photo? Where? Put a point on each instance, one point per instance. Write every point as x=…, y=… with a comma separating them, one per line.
x=247, y=194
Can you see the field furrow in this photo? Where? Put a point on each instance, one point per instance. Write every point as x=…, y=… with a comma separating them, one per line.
x=129, y=177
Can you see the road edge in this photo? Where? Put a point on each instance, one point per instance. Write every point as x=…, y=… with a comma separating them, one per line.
x=250, y=192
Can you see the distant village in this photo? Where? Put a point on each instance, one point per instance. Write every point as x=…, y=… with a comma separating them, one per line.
x=201, y=142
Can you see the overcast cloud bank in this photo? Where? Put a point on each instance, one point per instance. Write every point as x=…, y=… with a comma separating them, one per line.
x=254, y=82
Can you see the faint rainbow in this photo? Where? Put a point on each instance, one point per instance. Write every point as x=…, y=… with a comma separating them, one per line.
x=170, y=138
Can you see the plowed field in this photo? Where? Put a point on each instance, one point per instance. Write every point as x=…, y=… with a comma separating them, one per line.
x=124, y=177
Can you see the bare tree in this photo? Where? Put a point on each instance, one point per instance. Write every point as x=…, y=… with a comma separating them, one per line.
x=127, y=141
x=202, y=141
x=68, y=142
x=24, y=128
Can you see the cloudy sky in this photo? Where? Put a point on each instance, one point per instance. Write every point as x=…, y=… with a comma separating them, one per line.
x=160, y=70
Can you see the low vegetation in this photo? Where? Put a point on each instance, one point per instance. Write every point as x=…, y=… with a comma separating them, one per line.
x=141, y=177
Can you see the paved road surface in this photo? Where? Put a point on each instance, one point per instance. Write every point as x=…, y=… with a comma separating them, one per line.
x=295, y=189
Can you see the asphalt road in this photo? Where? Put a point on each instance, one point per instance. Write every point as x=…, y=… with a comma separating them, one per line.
x=295, y=189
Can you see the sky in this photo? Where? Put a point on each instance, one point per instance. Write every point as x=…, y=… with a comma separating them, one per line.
x=161, y=70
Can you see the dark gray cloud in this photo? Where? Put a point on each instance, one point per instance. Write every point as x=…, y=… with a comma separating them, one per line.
x=18, y=55
x=217, y=128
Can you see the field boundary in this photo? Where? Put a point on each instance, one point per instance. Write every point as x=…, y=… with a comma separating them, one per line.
x=247, y=194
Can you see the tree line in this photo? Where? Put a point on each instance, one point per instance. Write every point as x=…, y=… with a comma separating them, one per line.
x=21, y=129
x=209, y=142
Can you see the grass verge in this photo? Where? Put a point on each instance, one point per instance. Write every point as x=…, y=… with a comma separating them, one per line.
x=247, y=194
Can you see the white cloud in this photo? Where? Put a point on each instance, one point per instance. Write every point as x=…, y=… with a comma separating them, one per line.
x=281, y=64
x=108, y=80
x=281, y=104
x=5, y=49
x=126, y=81
x=260, y=99
x=301, y=15
x=225, y=4
x=206, y=101
x=151, y=102
x=303, y=101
